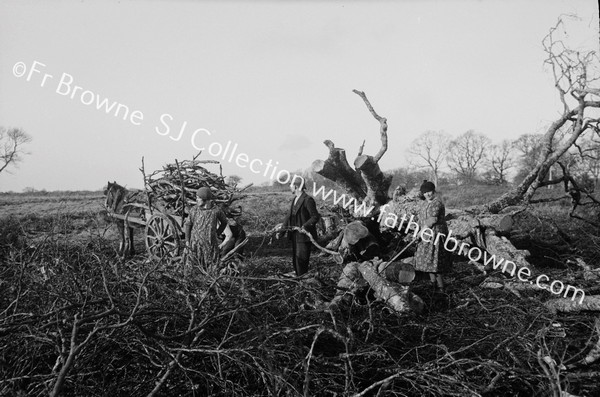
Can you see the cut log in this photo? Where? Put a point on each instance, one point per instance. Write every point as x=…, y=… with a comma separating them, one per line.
x=396, y=296
x=462, y=224
x=358, y=243
x=350, y=281
x=502, y=248
x=354, y=232
x=398, y=272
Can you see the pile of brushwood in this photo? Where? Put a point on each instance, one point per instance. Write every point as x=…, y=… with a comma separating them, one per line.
x=74, y=321
x=174, y=187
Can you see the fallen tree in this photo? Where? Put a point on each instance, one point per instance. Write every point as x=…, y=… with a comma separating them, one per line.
x=482, y=231
x=366, y=182
x=360, y=242
x=485, y=232
x=574, y=76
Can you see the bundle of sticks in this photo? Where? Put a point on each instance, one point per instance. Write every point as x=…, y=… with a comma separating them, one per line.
x=174, y=187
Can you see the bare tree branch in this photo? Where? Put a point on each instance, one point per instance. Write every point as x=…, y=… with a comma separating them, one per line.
x=382, y=122
x=11, y=146
x=465, y=154
x=574, y=73
x=431, y=147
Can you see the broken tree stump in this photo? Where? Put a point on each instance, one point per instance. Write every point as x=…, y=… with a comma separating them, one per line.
x=337, y=169
x=376, y=181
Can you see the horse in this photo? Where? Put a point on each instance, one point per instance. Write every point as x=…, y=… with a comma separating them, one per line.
x=120, y=201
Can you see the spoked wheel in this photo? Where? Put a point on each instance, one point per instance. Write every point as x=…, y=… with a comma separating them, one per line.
x=162, y=237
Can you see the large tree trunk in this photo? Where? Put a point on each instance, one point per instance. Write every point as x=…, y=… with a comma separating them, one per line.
x=377, y=182
x=520, y=194
x=337, y=169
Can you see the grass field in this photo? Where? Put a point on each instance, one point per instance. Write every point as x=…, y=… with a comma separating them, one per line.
x=75, y=319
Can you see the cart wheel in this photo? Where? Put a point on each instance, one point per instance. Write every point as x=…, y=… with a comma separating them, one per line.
x=162, y=237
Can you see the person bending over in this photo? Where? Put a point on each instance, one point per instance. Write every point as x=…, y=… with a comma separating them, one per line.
x=234, y=236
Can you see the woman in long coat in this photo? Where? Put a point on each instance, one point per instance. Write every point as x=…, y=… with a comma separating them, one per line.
x=432, y=257
x=203, y=225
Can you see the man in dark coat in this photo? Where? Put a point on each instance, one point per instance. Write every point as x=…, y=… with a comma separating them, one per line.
x=303, y=213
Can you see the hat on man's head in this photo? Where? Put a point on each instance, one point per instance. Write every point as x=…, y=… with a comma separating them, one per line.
x=204, y=193
x=427, y=187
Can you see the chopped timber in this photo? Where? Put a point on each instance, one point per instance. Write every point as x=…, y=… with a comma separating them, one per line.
x=567, y=305
x=396, y=296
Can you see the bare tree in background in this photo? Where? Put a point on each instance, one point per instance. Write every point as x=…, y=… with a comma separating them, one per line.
x=234, y=180
x=576, y=80
x=528, y=147
x=429, y=151
x=11, y=143
x=501, y=159
x=466, y=154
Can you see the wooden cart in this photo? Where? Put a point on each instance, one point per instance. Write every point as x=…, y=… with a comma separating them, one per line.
x=164, y=236
x=161, y=211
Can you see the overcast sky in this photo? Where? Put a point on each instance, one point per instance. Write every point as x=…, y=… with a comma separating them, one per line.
x=273, y=78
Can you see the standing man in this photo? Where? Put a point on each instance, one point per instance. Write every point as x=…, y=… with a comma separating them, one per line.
x=303, y=213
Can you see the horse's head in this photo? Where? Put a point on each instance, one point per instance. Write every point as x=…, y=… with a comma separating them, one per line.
x=108, y=185
x=114, y=194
